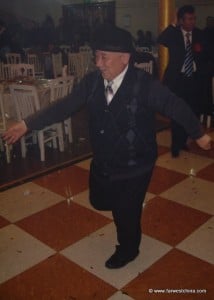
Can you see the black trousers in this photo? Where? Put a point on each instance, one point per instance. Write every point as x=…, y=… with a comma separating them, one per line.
x=189, y=89
x=124, y=198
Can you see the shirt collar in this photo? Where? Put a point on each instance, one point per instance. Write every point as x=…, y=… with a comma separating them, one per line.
x=117, y=80
x=185, y=32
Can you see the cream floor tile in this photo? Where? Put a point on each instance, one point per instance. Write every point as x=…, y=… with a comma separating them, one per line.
x=83, y=199
x=26, y=199
x=85, y=164
x=120, y=296
x=201, y=242
x=184, y=163
x=19, y=251
x=164, y=138
x=92, y=252
x=194, y=192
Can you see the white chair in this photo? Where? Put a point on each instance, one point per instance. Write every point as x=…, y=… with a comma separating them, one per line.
x=22, y=70
x=76, y=65
x=13, y=58
x=57, y=64
x=12, y=71
x=87, y=61
x=34, y=59
x=26, y=101
x=143, y=49
x=60, y=87
x=6, y=70
x=4, y=124
x=87, y=56
x=1, y=71
x=65, y=48
x=146, y=66
x=208, y=118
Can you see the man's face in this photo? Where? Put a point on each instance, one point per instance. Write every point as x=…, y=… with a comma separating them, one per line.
x=111, y=64
x=188, y=22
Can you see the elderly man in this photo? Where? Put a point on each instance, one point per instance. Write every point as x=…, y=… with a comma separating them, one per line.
x=121, y=102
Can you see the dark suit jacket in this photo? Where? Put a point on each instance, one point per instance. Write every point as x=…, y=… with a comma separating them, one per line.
x=172, y=38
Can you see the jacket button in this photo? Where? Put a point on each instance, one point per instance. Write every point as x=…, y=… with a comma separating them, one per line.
x=102, y=131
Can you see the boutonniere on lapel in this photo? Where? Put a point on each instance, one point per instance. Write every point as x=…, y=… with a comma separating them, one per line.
x=197, y=47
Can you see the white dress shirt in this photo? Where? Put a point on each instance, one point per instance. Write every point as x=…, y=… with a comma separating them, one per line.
x=116, y=81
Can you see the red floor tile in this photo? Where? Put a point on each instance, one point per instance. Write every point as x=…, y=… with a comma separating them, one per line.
x=57, y=181
x=162, y=150
x=62, y=225
x=3, y=222
x=56, y=278
x=207, y=173
x=162, y=179
x=169, y=221
x=178, y=271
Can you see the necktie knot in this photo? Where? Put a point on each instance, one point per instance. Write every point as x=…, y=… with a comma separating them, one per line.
x=188, y=37
x=109, y=91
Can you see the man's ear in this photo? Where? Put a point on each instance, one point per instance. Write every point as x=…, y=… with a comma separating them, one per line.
x=125, y=58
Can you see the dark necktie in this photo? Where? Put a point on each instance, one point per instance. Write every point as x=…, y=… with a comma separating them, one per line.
x=188, y=61
x=109, y=92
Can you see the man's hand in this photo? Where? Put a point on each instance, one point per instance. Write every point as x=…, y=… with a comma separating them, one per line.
x=15, y=132
x=204, y=142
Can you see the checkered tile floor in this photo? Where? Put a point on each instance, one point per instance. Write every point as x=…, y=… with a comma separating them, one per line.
x=54, y=249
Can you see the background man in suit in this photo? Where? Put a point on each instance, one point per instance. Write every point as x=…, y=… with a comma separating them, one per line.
x=121, y=102
x=183, y=74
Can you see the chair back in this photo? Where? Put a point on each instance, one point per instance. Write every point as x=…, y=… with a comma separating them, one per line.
x=26, y=100
x=34, y=59
x=13, y=58
x=57, y=64
x=2, y=71
x=60, y=87
x=146, y=66
x=2, y=114
x=3, y=126
x=76, y=65
x=65, y=48
x=143, y=49
x=85, y=48
x=23, y=70
x=87, y=61
x=6, y=70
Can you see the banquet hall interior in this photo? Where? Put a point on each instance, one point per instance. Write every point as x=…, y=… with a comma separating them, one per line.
x=53, y=243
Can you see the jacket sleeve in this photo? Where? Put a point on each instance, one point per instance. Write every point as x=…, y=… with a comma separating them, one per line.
x=165, y=38
x=162, y=100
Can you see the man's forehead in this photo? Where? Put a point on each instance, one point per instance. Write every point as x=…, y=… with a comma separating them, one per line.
x=189, y=16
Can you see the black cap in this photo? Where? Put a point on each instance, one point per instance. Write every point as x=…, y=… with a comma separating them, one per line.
x=112, y=38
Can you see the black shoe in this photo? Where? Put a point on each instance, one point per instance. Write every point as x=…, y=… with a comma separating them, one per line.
x=119, y=260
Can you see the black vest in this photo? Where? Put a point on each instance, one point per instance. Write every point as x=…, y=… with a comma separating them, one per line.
x=123, y=133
